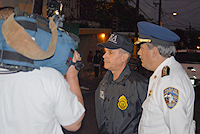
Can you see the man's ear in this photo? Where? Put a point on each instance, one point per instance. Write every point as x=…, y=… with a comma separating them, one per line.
x=154, y=51
x=125, y=56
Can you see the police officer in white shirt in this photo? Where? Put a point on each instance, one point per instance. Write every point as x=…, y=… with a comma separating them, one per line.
x=169, y=106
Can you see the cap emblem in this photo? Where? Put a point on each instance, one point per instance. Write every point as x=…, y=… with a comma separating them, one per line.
x=113, y=38
x=140, y=40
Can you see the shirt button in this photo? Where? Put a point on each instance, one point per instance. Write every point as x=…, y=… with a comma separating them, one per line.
x=108, y=99
x=155, y=77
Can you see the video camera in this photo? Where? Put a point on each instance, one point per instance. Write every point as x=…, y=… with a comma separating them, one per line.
x=55, y=8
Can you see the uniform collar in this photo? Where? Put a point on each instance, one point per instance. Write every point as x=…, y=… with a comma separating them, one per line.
x=164, y=63
x=122, y=78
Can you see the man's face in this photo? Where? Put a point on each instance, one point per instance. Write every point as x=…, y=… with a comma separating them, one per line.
x=113, y=60
x=145, y=56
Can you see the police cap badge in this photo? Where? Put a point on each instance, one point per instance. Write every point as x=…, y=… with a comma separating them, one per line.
x=116, y=41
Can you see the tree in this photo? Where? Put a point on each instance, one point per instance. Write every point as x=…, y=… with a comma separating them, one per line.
x=87, y=9
x=116, y=14
x=188, y=39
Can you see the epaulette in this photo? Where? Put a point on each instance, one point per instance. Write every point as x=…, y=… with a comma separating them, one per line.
x=165, y=71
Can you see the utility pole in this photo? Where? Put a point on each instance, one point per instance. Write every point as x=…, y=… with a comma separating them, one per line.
x=159, y=16
x=189, y=36
x=160, y=10
x=136, y=29
x=136, y=18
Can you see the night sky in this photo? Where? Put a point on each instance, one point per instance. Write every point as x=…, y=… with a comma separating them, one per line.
x=188, y=13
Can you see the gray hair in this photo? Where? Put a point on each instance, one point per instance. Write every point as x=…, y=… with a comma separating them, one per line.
x=122, y=51
x=165, y=51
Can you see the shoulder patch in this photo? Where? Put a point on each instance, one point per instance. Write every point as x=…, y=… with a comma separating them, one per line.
x=171, y=96
x=122, y=102
x=165, y=71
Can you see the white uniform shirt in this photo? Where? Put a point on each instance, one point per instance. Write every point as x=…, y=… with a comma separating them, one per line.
x=37, y=102
x=169, y=106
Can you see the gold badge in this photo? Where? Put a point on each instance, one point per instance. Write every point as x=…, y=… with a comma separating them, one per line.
x=122, y=103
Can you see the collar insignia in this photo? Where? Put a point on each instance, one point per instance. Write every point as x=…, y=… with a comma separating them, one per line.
x=122, y=103
x=171, y=96
x=102, y=94
x=150, y=92
x=165, y=71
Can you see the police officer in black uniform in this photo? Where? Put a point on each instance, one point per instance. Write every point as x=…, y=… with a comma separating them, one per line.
x=121, y=92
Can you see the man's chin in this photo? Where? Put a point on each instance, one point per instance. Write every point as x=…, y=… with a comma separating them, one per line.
x=105, y=66
x=142, y=65
x=146, y=67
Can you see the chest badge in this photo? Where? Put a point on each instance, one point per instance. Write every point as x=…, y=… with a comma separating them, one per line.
x=122, y=103
x=171, y=97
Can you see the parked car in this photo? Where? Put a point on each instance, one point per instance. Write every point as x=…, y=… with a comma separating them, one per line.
x=190, y=60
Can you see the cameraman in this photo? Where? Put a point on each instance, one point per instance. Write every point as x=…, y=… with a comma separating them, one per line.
x=41, y=100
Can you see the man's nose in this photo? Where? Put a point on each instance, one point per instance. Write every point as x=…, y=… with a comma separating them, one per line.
x=104, y=55
x=138, y=53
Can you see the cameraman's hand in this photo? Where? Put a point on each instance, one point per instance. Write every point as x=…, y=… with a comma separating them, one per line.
x=72, y=72
x=73, y=81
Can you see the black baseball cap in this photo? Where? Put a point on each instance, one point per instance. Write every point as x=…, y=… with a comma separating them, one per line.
x=116, y=41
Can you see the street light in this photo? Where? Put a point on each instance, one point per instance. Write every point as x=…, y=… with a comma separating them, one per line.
x=103, y=35
x=174, y=13
x=169, y=15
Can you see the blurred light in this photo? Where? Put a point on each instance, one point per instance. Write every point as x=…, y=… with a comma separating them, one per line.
x=174, y=13
x=56, y=12
x=192, y=80
x=198, y=47
x=135, y=68
x=194, y=77
x=103, y=35
x=61, y=7
x=193, y=70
